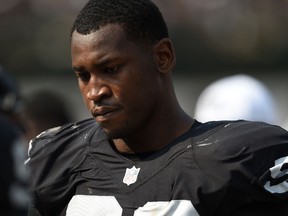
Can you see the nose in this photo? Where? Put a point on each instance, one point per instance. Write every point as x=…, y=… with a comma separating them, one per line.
x=97, y=90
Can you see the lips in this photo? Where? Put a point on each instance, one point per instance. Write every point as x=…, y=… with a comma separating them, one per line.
x=102, y=113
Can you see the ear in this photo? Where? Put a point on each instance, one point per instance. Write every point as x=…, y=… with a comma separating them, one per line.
x=164, y=55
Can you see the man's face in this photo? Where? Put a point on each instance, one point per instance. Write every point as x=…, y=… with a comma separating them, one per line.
x=118, y=79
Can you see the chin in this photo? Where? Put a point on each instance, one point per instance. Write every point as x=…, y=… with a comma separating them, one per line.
x=113, y=134
x=118, y=133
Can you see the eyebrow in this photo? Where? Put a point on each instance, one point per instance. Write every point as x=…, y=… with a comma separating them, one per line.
x=100, y=64
x=74, y=68
x=77, y=68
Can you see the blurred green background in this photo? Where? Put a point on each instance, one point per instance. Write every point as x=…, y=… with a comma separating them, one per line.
x=213, y=38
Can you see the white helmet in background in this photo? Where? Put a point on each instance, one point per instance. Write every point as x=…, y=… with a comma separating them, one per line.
x=236, y=97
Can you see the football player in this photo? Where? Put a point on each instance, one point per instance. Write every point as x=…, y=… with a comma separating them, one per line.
x=141, y=154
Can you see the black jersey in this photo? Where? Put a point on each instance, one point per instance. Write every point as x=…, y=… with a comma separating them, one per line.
x=215, y=168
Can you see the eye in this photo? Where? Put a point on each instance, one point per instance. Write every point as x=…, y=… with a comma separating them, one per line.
x=83, y=76
x=112, y=69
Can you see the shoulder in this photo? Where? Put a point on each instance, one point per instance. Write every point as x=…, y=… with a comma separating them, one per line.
x=243, y=153
x=58, y=135
x=228, y=137
x=253, y=138
x=65, y=145
x=54, y=157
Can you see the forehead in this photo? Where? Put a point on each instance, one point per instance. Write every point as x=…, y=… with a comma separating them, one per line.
x=102, y=46
x=108, y=44
x=110, y=34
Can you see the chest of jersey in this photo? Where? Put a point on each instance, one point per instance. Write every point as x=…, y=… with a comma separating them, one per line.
x=162, y=184
x=135, y=190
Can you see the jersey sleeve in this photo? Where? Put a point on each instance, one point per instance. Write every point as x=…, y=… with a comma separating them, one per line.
x=251, y=157
x=54, y=157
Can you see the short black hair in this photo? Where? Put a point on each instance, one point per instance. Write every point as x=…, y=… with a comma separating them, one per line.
x=141, y=19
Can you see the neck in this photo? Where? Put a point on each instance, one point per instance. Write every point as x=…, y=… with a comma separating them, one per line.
x=156, y=135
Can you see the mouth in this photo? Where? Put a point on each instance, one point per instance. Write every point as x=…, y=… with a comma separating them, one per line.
x=104, y=113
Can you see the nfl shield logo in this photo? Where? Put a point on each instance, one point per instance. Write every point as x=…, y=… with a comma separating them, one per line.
x=131, y=175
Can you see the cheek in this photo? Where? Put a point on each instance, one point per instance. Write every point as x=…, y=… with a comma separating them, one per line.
x=135, y=95
x=83, y=92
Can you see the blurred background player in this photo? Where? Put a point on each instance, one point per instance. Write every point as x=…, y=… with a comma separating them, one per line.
x=44, y=109
x=13, y=194
x=236, y=97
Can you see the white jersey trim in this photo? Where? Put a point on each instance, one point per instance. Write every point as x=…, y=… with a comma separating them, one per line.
x=91, y=205
x=277, y=171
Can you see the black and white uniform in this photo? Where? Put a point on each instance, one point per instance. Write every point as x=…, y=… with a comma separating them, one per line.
x=215, y=168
